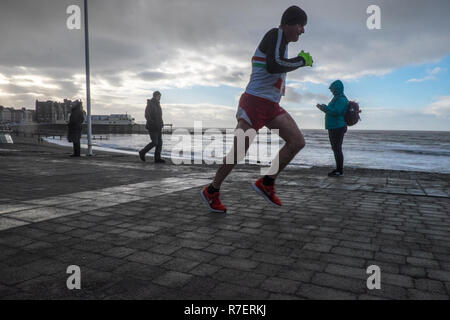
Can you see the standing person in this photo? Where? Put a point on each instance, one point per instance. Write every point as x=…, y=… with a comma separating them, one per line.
x=75, y=127
x=155, y=124
x=259, y=106
x=335, y=124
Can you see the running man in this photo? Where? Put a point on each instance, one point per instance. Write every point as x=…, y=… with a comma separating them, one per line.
x=259, y=106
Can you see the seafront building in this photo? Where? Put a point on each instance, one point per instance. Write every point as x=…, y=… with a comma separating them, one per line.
x=16, y=116
x=53, y=116
x=51, y=112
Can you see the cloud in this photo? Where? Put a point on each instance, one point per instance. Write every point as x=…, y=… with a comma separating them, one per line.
x=140, y=46
x=153, y=75
x=307, y=98
x=431, y=75
x=440, y=107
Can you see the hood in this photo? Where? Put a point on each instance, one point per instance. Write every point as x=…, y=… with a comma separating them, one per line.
x=337, y=87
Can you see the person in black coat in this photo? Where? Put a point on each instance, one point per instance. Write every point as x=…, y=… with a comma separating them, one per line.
x=75, y=127
x=155, y=124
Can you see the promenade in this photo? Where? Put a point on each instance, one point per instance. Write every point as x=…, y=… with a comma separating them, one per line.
x=141, y=231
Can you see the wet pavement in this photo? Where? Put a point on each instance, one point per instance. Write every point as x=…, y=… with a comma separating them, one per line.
x=140, y=231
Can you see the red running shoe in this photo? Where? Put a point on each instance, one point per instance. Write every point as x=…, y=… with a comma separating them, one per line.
x=267, y=192
x=213, y=201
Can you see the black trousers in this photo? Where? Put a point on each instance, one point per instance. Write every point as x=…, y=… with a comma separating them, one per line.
x=156, y=141
x=76, y=148
x=336, y=138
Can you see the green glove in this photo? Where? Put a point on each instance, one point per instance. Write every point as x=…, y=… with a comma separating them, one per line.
x=307, y=57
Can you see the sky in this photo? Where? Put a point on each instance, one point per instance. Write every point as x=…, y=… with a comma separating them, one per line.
x=198, y=54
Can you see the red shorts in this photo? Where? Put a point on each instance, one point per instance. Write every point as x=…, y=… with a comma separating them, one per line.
x=258, y=110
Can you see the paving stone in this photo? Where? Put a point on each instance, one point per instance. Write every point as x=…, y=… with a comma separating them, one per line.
x=439, y=275
x=428, y=285
x=204, y=269
x=148, y=258
x=353, y=252
x=343, y=260
x=119, y=252
x=318, y=247
x=235, y=263
x=40, y=214
x=272, y=258
x=241, y=253
x=311, y=291
x=280, y=285
x=219, y=249
x=420, y=262
x=346, y=271
x=414, y=272
x=8, y=223
x=198, y=285
x=388, y=257
x=225, y=291
x=242, y=278
x=193, y=244
x=397, y=280
x=14, y=207
x=139, y=271
x=296, y=274
x=311, y=264
x=340, y=283
x=106, y=264
x=173, y=279
x=11, y=276
x=390, y=292
x=165, y=249
x=194, y=255
x=424, y=295
x=180, y=264
x=370, y=297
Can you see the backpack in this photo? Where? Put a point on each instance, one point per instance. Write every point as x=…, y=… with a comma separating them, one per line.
x=352, y=114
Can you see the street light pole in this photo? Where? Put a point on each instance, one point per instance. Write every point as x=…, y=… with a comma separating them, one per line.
x=88, y=79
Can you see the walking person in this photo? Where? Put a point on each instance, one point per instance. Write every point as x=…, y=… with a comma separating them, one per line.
x=335, y=124
x=155, y=124
x=75, y=127
x=259, y=106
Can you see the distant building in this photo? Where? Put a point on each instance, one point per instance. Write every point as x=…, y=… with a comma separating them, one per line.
x=5, y=115
x=27, y=116
x=18, y=116
x=120, y=119
x=53, y=112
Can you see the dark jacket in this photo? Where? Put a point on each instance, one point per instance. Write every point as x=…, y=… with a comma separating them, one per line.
x=75, y=124
x=153, y=115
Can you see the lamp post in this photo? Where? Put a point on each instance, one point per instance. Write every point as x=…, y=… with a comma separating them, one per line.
x=88, y=79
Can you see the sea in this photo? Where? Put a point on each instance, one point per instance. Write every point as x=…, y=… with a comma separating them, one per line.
x=426, y=151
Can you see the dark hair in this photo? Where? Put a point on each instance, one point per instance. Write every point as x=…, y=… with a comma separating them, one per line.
x=294, y=15
x=156, y=93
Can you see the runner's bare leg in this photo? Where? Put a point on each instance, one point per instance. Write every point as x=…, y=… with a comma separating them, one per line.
x=225, y=169
x=291, y=134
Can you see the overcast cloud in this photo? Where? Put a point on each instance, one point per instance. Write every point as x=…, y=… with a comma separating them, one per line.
x=139, y=46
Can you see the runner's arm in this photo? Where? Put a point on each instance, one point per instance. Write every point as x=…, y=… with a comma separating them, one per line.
x=276, y=63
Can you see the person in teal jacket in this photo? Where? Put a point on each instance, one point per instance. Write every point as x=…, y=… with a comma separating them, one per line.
x=335, y=124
